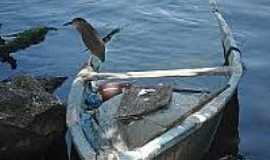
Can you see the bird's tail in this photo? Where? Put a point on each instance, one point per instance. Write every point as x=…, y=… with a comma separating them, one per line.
x=110, y=35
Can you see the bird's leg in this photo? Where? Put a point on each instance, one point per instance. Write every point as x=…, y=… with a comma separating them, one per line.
x=90, y=61
x=95, y=63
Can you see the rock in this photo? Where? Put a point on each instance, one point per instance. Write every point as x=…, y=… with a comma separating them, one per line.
x=49, y=83
x=2, y=41
x=20, y=41
x=25, y=39
x=6, y=57
x=31, y=118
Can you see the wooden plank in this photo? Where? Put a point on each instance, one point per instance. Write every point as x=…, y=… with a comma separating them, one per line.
x=208, y=71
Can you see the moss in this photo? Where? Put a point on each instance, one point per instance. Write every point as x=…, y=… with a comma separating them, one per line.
x=25, y=39
x=21, y=41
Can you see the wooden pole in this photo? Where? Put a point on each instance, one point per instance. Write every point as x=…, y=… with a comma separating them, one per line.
x=214, y=71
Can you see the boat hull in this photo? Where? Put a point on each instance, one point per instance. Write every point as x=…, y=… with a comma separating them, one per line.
x=195, y=146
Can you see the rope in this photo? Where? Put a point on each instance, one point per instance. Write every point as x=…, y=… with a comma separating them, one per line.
x=229, y=52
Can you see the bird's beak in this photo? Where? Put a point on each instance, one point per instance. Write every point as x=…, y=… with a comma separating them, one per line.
x=67, y=24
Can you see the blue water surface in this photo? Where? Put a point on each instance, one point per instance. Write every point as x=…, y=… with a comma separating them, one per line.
x=250, y=22
x=155, y=35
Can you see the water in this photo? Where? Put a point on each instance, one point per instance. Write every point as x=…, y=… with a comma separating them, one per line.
x=155, y=35
x=250, y=22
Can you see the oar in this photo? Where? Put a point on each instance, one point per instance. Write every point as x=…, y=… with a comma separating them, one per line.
x=90, y=75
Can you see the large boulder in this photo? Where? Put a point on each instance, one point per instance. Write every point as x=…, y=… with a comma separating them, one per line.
x=31, y=118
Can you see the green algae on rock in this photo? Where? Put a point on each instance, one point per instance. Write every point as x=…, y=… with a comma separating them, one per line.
x=22, y=40
x=25, y=39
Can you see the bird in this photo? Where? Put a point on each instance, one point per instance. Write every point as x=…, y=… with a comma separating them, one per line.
x=91, y=38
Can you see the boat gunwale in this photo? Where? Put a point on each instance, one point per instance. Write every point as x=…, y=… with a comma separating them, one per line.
x=174, y=135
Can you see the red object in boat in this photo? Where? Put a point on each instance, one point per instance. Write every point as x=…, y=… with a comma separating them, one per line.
x=111, y=89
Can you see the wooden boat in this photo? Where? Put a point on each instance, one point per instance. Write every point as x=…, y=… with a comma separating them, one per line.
x=184, y=129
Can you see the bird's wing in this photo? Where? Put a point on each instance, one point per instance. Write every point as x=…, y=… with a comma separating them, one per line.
x=93, y=41
x=91, y=28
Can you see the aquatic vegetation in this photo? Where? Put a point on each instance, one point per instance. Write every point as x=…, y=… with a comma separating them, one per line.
x=21, y=40
x=25, y=39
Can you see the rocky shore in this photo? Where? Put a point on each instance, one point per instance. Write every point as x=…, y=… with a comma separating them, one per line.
x=32, y=119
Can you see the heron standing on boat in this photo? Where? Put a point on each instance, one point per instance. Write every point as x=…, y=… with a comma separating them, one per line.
x=93, y=41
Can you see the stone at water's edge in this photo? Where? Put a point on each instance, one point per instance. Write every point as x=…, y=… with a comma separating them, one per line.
x=51, y=83
x=20, y=41
x=31, y=119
